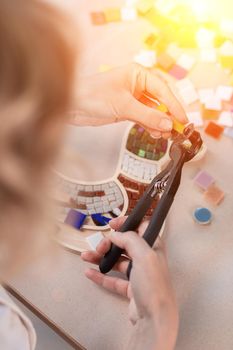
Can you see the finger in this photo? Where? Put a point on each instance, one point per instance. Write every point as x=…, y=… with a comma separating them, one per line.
x=121, y=265
x=130, y=241
x=166, y=135
x=156, y=134
x=93, y=257
x=116, y=223
x=147, y=117
x=150, y=82
x=113, y=284
x=103, y=247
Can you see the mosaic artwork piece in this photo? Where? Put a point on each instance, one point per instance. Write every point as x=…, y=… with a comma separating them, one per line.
x=90, y=206
x=95, y=202
x=86, y=207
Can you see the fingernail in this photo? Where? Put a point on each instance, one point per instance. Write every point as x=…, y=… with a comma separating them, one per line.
x=156, y=135
x=165, y=124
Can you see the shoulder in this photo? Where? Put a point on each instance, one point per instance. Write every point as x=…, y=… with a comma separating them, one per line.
x=16, y=330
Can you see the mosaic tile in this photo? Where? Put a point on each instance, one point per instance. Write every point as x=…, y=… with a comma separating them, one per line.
x=214, y=195
x=75, y=219
x=178, y=72
x=112, y=14
x=98, y=18
x=204, y=179
x=94, y=240
x=214, y=130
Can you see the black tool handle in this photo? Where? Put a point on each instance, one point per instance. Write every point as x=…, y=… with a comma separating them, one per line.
x=156, y=223
x=131, y=224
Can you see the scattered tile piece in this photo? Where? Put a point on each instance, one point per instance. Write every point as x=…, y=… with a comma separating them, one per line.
x=224, y=92
x=146, y=58
x=174, y=51
x=228, y=132
x=128, y=14
x=116, y=211
x=227, y=62
x=178, y=72
x=144, y=6
x=189, y=96
x=151, y=41
x=75, y=219
x=205, y=95
x=226, y=119
x=203, y=180
x=205, y=38
x=231, y=80
x=226, y=27
x=187, y=91
x=214, y=195
x=227, y=48
x=202, y=216
x=195, y=118
x=208, y=55
x=94, y=240
x=209, y=114
x=212, y=108
x=186, y=61
x=131, y=3
x=226, y=54
x=98, y=18
x=213, y=103
x=214, y=130
x=184, y=84
x=112, y=14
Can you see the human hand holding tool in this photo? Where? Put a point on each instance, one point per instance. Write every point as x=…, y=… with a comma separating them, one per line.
x=152, y=307
x=184, y=147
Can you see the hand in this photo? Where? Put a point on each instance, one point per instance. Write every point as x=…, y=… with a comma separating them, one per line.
x=114, y=96
x=152, y=308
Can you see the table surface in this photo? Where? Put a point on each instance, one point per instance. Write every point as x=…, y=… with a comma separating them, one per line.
x=200, y=258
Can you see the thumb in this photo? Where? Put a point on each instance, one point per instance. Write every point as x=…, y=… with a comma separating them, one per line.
x=147, y=117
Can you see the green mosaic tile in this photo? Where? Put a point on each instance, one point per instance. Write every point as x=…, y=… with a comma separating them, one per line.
x=141, y=153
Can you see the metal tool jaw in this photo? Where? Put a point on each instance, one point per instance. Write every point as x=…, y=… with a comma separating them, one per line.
x=184, y=147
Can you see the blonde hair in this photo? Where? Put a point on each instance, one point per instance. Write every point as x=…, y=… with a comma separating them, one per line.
x=36, y=70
